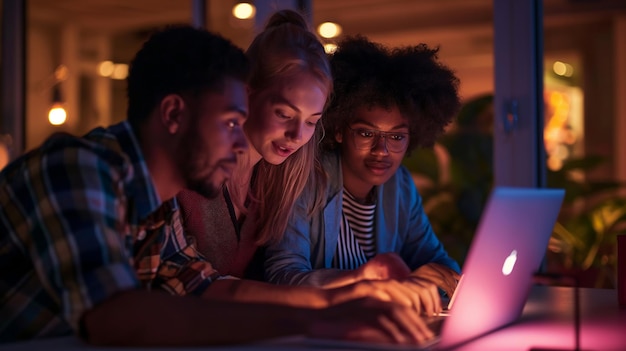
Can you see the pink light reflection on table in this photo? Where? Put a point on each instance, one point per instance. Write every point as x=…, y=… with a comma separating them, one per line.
x=548, y=323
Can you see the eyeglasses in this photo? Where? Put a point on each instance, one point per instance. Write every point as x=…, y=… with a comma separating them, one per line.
x=367, y=139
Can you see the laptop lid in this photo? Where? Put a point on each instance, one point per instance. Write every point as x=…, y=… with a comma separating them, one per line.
x=507, y=249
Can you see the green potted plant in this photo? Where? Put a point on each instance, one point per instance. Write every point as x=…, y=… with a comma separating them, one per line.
x=594, y=213
x=456, y=177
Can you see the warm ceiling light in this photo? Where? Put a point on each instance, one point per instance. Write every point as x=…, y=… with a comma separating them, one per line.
x=244, y=10
x=329, y=29
x=330, y=48
x=113, y=70
x=57, y=114
x=105, y=68
x=120, y=71
x=562, y=69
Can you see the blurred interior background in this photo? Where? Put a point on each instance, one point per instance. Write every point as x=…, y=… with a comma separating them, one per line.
x=76, y=55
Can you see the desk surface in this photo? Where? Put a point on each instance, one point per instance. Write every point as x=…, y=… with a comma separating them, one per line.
x=547, y=323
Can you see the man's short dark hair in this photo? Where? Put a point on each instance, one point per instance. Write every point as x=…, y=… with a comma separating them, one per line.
x=177, y=60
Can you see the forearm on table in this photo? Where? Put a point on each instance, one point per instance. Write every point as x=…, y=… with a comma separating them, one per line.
x=325, y=278
x=329, y=278
x=259, y=292
x=139, y=318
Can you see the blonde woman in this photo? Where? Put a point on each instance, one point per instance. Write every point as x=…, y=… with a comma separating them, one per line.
x=288, y=88
x=289, y=85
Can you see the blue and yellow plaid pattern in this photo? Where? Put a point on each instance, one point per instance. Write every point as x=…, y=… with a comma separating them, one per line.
x=80, y=220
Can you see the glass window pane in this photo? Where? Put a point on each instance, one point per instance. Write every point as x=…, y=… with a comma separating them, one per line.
x=78, y=52
x=68, y=44
x=584, y=60
x=11, y=22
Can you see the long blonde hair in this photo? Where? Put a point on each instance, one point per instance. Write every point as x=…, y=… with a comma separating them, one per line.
x=284, y=48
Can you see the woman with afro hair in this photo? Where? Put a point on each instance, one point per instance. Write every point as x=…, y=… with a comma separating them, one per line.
x=386, y=102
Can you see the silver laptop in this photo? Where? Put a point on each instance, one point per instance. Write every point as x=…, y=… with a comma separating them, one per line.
x=508, y=248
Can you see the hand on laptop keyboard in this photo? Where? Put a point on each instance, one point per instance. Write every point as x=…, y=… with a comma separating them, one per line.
x=426, y=293
x=418, y=294
x=440, y=275
x=371, y=320
x=387, y=265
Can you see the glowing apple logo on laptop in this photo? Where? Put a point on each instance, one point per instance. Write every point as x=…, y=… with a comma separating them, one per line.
x=509, y=263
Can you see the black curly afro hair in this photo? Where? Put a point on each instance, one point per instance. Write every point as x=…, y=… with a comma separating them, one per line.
x=369, y=74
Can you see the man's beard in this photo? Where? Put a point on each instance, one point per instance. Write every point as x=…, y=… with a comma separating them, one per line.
x=206, y=189
x=204, y=185
x=194, y=175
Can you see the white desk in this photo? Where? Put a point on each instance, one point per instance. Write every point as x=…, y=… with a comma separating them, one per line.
x=547, y=323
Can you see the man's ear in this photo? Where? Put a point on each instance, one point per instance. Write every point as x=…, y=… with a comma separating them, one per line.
x=171, y=112
x=251, y=93
x=339, y=137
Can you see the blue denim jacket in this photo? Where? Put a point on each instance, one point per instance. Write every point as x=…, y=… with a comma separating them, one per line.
x=309, y=243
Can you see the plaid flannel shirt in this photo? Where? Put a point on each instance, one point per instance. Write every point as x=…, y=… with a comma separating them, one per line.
x=80, y=220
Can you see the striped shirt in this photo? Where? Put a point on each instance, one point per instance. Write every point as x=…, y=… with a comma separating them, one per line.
x=80, y=220
x=356, y=244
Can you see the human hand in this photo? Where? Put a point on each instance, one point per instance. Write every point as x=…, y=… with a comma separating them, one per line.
x=418, y=294
x=440, y=275
x=371, y=320
x=384, y=266
x=426, y=292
